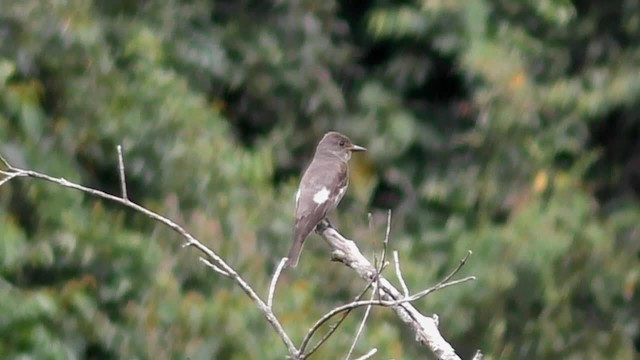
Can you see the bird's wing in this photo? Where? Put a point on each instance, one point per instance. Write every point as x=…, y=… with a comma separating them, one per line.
x=319, y=194
x=321, y=188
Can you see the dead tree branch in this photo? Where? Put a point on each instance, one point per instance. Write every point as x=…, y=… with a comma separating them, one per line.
x=424, y=327
x=211, y=259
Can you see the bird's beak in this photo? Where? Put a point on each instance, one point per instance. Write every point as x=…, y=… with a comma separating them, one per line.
x=357, y=148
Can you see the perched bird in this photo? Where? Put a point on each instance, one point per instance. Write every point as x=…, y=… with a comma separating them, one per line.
x=322, y=187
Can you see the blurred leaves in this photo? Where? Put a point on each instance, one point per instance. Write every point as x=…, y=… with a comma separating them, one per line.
x=505, y=128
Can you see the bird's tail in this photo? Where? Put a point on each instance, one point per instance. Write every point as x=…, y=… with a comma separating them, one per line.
x=294, y=253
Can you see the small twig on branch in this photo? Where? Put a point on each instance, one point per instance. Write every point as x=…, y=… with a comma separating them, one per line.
x=388, y=303
x=332, y=329
x=385, y=243
x=460, y=265
x=385, y=246
x=388, y=230
x=8, y=177
x=396, y=260
x=364, y=320
x=274, y=281
x=368, y=355
x=5, y=162
x=123, y=182
x=214, y=267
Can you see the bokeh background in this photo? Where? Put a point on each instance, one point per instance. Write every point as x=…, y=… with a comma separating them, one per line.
x=509, y=128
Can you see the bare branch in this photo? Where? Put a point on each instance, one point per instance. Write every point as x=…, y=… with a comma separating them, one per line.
x=214, y=267
x=396, y=260
x=425, y=329
x=388, y=303
x=274, y=281
x=364, y=320
x=123, y=183
x=190, y=241
x=371, y=282
x=368, y=355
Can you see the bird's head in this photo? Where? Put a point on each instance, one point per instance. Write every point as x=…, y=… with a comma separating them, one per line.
x=334, y=143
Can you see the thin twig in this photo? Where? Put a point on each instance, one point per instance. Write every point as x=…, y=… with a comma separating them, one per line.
x=385, y=246
x=332, y=329
x=213, y=266
x=435, y=288
x=460, y=265
x=388, y=303
x=385, y=243
x=368, y=355
x=388, y=230
x=8, y=178
x=396, y=260
x=274, y=281
x=325, y=337
x=123, y=182
x=5, y=162
x=364, y=320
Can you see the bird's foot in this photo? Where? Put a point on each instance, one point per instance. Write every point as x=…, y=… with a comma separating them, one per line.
x=323, y=225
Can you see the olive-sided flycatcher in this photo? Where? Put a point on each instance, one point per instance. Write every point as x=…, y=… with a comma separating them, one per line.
x=322, y=187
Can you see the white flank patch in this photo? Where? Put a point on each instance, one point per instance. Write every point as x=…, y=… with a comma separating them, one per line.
x=321, y=196
x=297, y=196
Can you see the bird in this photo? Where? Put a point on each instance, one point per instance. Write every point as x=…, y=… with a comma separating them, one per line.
x=322, y=186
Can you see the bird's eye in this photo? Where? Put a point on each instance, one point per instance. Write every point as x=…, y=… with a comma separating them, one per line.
x=342, y=143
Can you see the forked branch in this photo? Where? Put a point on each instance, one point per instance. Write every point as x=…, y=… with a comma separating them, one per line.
x=425, y=328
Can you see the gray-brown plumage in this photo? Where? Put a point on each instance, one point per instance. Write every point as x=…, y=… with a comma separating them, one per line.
x=323, y=185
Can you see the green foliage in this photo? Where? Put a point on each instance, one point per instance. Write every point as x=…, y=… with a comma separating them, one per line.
x=505, y=128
